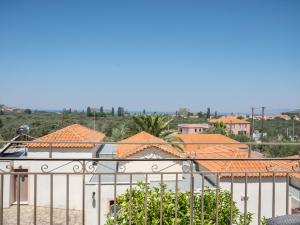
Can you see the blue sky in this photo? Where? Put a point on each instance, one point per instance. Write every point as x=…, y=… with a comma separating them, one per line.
x=158, y=55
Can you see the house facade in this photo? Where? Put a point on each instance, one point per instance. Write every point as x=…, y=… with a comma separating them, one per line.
x=72, y=133
x=235, y=125
x=140, y=158
x=196, y=128
x=146, y=150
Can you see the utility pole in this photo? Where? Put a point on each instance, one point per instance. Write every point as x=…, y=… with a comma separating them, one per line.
x=293, y=128
x=252, y=120
x=262, y=122
x=94, y=120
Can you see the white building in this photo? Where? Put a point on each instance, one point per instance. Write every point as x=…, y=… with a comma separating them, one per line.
x=73, y=133
x=100, y=187
x=155, y=151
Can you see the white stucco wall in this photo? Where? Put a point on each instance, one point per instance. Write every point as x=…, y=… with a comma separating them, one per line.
x=6, y=184
x=59, y=181
x=107, y=189
x=92, y=206
x=253, y=190
x=150, y=166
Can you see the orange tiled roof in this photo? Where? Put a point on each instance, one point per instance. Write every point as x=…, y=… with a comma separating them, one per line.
x=72, y=133
x=229, y=120
x=239, y=168
x=219, y=151
x=144, y=141
x=228, y=166
x=291, y=166
x=224, y=150
x=206, y=139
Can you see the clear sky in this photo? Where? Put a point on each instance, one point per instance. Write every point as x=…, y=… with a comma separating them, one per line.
x=155, y=54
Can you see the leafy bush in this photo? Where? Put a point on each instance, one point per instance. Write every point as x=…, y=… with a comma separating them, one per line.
x=137, y=207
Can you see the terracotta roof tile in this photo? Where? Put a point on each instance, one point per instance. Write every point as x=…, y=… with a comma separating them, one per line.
x=72, y=133
x=144, y=141
x=206, y=139
x=228, y=166
x=229, y=120
x=223, y=150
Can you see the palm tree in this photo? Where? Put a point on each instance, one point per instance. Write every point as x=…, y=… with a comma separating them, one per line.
x=120, y=132
x=219, y=128
x=157, y=125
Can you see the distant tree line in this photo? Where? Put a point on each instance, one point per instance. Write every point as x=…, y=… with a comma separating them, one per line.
x=93, y=112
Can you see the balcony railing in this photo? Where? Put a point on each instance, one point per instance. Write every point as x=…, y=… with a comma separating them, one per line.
x=53, y=185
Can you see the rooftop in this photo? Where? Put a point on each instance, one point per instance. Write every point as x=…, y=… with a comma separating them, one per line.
x=144, y=140
x=72, y=133
x=229, y=120
x=195, y=125
x=203, y=141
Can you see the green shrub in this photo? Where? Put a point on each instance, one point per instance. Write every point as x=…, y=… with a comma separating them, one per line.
x=137, y=207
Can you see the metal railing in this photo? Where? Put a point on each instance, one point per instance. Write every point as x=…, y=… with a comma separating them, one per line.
x=88, y=187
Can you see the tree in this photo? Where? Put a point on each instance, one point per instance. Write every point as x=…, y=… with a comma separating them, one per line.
x=157, y=125
x=1, y=123
x=144, y=111
x=240, y=137
x=200, y=114
x=102, y=113
x=218, y=128
x=113, y=111
x=120, y=111
x=208, y=113
x=27, y=111
x=1, y=112
x=88, y=111
x=120, y=132
x=216, y=114
x=134, y=201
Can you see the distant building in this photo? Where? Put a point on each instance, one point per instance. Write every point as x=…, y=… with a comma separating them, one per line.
x=272, y=117
x=197, y=128
x=257, y=135
x=184, y=112
x=235, y=125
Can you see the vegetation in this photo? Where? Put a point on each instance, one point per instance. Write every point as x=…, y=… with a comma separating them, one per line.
x=121, y=111
x=208, y=113
x=27, y=111
x=120, y=127
x=157, y=125
x=153, y=200
x=112, y=111
x=278, y=129
x=218, y=128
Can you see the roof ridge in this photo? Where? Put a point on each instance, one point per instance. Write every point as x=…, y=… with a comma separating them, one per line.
x=141, y=133
x=74, y=133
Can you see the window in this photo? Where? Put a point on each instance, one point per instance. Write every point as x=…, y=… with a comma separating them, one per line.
x=112, y=208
